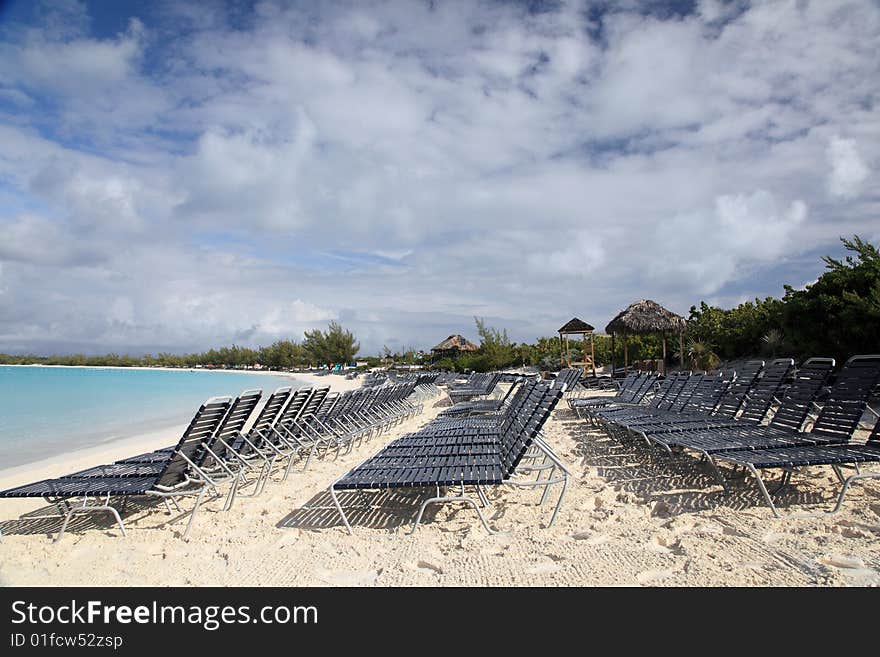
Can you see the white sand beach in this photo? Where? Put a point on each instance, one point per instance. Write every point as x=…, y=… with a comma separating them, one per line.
x=624, y=522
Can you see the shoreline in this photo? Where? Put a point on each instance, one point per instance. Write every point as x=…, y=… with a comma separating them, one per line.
x=161, y=368
x=156, y=437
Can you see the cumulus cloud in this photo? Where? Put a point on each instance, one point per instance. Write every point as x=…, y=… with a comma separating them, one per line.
x=196, y=176
x=579, y=257
x=296, y=313
x=714, y=246
x=35, y=240
x=848, y=171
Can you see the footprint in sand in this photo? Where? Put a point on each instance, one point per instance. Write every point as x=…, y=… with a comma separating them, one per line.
x=288, y=538
x=849, y=529
x=591, y=538
x=663, y=545
x=543, y=568
x=679, y=525
x=733, y=531
x=651, y=576
x=427, y=565
x=770, y=538
x=843, y=561
x=348, y=577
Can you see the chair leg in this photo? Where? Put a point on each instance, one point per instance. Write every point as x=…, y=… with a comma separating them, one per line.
x=763, y=488
x=339, y=509
x=264, y=476
x=443, y=500
x=482, y=495
x=309, y=457
x=716, y=471
x=192, y=515
x=546, y=488
x=233, y=489
x=289, y=466
x=565, y=480
x=846, y=484
x=88, y=509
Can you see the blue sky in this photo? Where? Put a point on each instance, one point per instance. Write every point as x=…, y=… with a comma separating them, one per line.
x=176, y=175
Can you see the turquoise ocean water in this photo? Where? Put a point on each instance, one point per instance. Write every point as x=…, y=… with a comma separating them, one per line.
x=46, y=411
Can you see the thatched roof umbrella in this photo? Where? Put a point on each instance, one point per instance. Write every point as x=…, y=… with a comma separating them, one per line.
x=576, y=326
x=642, y=317
x=453, y=345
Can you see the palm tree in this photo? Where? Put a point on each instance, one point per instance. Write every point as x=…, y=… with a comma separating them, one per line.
x=701, y=355
x=773, y=340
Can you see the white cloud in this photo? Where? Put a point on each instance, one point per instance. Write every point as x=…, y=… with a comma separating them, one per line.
x=36, y=240
x=578, y=258
x=198, y=179
x=755, y=226
x=707, y=249
x=291, y=318
x=848, y=171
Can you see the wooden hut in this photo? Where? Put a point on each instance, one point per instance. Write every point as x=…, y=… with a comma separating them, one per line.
x=576, y=326
x=644, y=317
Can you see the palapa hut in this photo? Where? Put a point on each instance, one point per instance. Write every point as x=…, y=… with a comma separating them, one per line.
x=452, y=346
x=576, y=326
x=643, y=317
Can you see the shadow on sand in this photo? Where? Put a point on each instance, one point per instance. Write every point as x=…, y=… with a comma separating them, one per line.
x=683, y=483
x=387, y=509
x=47, y=519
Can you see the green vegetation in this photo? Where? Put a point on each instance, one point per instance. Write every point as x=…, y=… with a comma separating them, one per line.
x=838, y=315
x=336, y=345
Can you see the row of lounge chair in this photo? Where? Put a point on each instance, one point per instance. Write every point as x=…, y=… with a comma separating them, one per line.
x=231, y=444
x=751, y=419
x=492, y=443
x=565, y=380
x=478, y=385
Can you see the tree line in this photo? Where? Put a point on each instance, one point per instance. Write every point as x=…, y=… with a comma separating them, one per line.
x=335, y=345
x=838, y=315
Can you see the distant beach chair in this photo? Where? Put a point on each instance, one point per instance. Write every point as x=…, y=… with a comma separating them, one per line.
x=484, y=386
x=568, y=378
x=665, y=395
x=481, y=406
x=745, y=442
x=362, y=414
x=707, y=395
x=267, y=441
x=470, y=381
x=287, y=437
x=632, y=389
x=174, y=479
